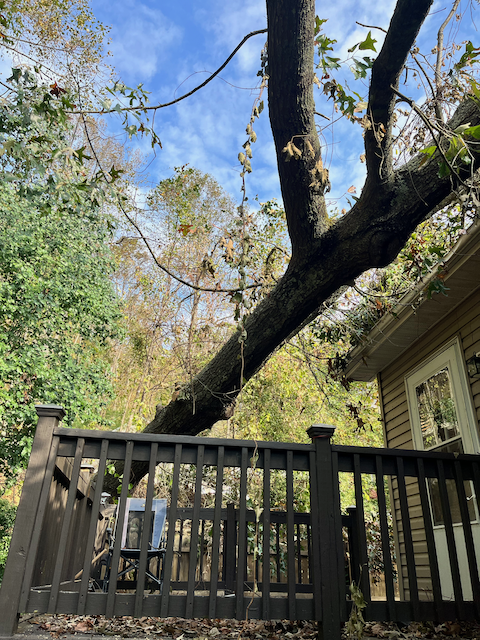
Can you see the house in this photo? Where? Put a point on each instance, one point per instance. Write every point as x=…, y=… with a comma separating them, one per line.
x=426, y=359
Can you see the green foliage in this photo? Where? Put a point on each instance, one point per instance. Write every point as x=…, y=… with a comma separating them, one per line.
x=57, y=306
x=468, y=58
x=7, y=519
x=58, y=312
x=37, y=149
x=348, y=102
x=294, y=390
x=129, y=97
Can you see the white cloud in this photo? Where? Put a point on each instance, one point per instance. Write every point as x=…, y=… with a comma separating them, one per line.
x=141, y=37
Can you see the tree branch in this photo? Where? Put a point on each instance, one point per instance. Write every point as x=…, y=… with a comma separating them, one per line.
x=185, y=95
x=407, y=19
x=438, y=66
x=291, y=110
x=370, y=235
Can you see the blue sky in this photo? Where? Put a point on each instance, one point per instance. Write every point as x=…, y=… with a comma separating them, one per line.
x=172, y=46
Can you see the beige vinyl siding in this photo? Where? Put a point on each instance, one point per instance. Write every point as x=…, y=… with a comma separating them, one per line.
x=464, y=322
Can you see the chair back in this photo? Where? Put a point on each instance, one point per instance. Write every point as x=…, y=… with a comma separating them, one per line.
x=134, y=521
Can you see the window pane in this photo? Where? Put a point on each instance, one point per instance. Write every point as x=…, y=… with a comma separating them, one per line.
x=452, y=501
x=436, y=407
x=451, y=447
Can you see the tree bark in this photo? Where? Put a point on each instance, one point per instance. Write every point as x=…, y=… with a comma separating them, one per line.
x=391, y=205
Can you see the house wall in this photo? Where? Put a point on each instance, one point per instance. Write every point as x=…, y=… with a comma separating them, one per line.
x=464, y=322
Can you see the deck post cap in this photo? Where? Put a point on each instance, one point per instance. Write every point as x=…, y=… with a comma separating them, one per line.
x=321, y=431
x=50, y=411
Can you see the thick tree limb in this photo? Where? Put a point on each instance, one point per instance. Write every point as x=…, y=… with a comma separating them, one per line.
x=407, y=19
x=291, y=110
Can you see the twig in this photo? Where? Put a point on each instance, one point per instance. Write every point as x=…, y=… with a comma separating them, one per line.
x=431, y=127
x=438, y=67
x=143, y=237
x=420, y=66
x=186, y=95
x=367, y=26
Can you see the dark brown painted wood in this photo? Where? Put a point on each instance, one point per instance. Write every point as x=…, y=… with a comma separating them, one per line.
x=430, y=538
x=330, y=627
x=322, y=528
x=145, y=541
x=216, y=534
x=407, y=533
x=468, y=535
x=82, y=599
x=27, y=518
x=266, y=536
x=172, y=523
x=387, y=558
x=315, y=551
x=37, y=531
x=242, y=535
x=360, y=529
x=337, y=534
x=120, y=517
x=194, y=533
x=452, y=549
x=290, y=538
x=67, y=520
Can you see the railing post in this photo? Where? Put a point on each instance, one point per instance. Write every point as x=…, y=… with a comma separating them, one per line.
x=330, y=628
x=48, y=418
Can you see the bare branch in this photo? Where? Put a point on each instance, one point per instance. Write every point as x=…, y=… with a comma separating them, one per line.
x=145, y=239
x=438, y=66
x=186, y=95
x=431, y=127
x=368, y=26
x=420, y=66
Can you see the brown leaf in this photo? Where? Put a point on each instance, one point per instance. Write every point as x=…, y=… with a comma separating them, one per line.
x=83, y=626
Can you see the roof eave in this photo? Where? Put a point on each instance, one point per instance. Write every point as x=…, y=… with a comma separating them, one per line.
x=413, y=316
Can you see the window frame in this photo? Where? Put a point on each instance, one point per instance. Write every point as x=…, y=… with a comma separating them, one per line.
x=451, y=356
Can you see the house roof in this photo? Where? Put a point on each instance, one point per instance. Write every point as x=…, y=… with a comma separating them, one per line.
x=415, y=314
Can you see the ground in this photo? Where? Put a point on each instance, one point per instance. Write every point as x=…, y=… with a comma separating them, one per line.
x=43, y=627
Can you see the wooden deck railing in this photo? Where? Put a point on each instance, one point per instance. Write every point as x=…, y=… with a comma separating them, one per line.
x=244, y=548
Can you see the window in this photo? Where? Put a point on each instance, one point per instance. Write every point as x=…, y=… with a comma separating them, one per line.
x=442, y=418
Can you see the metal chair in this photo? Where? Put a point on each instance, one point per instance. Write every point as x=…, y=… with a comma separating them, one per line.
x=130, y=544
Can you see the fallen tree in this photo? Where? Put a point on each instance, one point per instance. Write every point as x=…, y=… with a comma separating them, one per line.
x=325, y=258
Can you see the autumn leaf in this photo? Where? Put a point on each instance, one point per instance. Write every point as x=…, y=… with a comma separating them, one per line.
x=185, y=229
x=56, y=91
